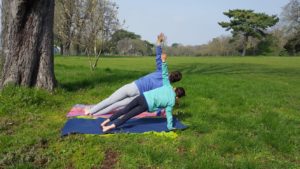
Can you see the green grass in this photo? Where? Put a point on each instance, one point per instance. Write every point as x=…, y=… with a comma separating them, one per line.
x=241, y=113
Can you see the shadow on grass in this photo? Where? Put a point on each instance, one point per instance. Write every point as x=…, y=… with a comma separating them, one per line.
x=236, y=68
x=183, y=115
x=76, y=78
x=87, y=79
x=181, y=105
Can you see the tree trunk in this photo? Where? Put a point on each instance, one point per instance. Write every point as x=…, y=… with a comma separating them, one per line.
x=78, y=51
x=67, y=50
x=245, y=45
x=294, y=49
x=29, y=57
x=61, y=49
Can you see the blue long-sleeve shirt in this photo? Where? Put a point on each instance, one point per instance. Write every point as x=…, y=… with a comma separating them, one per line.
x=153, y=80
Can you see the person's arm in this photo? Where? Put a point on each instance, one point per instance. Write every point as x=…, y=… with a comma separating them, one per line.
x=165, y=73
x=169, y=117
x=160, y=40
x=158, y=57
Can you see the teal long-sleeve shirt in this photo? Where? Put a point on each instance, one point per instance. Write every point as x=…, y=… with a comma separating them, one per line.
x=162, y=97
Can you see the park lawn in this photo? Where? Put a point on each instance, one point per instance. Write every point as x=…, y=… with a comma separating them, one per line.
x=241, y=113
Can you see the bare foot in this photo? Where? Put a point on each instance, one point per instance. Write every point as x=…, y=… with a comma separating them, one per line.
x=87, y=112
x=106, y=128
x=105, y=123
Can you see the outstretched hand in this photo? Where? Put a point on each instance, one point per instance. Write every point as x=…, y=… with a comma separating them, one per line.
x=161, y=38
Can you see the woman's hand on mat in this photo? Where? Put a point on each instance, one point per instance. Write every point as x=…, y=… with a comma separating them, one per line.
x=172, y=129
x=164, y=57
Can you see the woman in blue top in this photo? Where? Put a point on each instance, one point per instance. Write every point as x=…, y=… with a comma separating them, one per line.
x=162, y=97
x=123, y=96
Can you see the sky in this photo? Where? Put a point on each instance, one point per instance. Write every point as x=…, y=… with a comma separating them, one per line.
x=189, y=22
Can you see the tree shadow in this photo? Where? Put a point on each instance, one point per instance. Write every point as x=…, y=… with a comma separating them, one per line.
x=88, y=79
x=183, y=115
x=181, y=106
x=236, y=68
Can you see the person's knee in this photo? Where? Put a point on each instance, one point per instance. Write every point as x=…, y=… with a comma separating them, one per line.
x=131, y=90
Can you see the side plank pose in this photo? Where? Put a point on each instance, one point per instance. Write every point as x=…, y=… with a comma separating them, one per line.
x=124, y=95
x=162, y=97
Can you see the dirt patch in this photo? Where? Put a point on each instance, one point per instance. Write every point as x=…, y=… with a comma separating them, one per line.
x=111, y=158
x=40, y=161
x=27, y=154
x=70, y=166
x=181, y=150
x=146, y=167
x=7, y=126
x=43, y=143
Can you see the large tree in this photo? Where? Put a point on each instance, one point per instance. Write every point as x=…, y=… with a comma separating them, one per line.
x=137, y=47
x=291, y=16
x=248, y=24
x=120, y=35
x=28, y=43
x=291, y=22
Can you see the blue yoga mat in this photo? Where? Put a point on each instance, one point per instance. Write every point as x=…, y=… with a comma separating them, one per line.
x=92, y=126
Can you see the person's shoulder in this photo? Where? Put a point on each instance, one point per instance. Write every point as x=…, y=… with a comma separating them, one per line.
x=167, y=87
x=172, y=102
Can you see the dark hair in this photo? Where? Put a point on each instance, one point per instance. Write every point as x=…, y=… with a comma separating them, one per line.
x=180, y=92
x=175, y=76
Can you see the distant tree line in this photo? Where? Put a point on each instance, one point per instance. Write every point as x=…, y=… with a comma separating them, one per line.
x=252, y=34
x=273, y=44
x=91, y=27
x=128, y=43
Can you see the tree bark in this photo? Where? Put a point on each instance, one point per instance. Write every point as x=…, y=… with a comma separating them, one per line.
x=245, y=45
x=61, y=49
x=78, y=51
x=29, y=48
x=67, y=48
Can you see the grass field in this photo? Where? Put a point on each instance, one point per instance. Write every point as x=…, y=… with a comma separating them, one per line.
x=241, y=113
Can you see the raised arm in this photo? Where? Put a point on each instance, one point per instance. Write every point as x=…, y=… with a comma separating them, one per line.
x=158, y=57
x=160, y=40
x=165, y=72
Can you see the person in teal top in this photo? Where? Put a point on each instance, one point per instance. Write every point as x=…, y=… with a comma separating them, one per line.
x=162, y=97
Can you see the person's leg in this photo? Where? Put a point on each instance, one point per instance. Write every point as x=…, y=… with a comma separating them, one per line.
x=134, y=112
x=119, y=113
x=119, y=108
x=141, y=107
x=116, y=106
x=128, y=90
